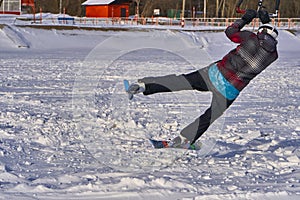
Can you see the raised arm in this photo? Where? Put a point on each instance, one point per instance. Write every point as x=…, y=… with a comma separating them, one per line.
x=234, y=33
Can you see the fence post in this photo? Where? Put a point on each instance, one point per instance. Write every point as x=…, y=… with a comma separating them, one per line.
x=41, y=15
x=273, y=22
x=182, y=22
x=255, y=22
x=278, y=18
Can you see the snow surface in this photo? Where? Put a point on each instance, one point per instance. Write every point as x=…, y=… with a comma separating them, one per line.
x=68, y=131
x=97, y=2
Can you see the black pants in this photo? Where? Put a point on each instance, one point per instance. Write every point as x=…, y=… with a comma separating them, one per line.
x=197, y=80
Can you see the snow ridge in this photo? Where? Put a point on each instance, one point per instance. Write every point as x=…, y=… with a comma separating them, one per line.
x=13, y=33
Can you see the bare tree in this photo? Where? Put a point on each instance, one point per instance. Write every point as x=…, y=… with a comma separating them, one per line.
x=137, y=11
x=47, y=6
x=147, y=10
x=73, y=7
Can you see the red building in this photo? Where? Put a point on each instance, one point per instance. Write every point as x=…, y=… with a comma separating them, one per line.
x=27, y=2
x=106, y=8
x=15, y=6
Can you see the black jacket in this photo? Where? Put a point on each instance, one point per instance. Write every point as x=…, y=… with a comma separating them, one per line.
x=251, y=57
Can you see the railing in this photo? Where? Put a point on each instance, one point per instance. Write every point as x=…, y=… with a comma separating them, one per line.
x=285, y=23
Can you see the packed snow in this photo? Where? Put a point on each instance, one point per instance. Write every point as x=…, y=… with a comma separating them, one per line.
x=68, y=130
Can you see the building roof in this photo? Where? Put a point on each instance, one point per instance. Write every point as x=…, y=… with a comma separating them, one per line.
x=97, y=2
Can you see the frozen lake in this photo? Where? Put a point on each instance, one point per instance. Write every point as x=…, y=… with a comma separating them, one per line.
x=68, y=131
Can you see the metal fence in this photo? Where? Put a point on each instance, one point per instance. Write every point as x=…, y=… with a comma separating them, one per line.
x=284, y=23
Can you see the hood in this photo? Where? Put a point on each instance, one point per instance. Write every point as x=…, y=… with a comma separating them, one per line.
x=267, y=42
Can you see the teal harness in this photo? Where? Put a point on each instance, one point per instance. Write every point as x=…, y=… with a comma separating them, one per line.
x=221, y=84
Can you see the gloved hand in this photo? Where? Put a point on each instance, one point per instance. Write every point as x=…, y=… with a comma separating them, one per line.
x=249, y=15
x=239, y=10
x=264, y=16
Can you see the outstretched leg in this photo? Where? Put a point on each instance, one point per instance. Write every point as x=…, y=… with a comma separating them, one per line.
x=172, y=83
x=197, y=80
x=194, y=130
